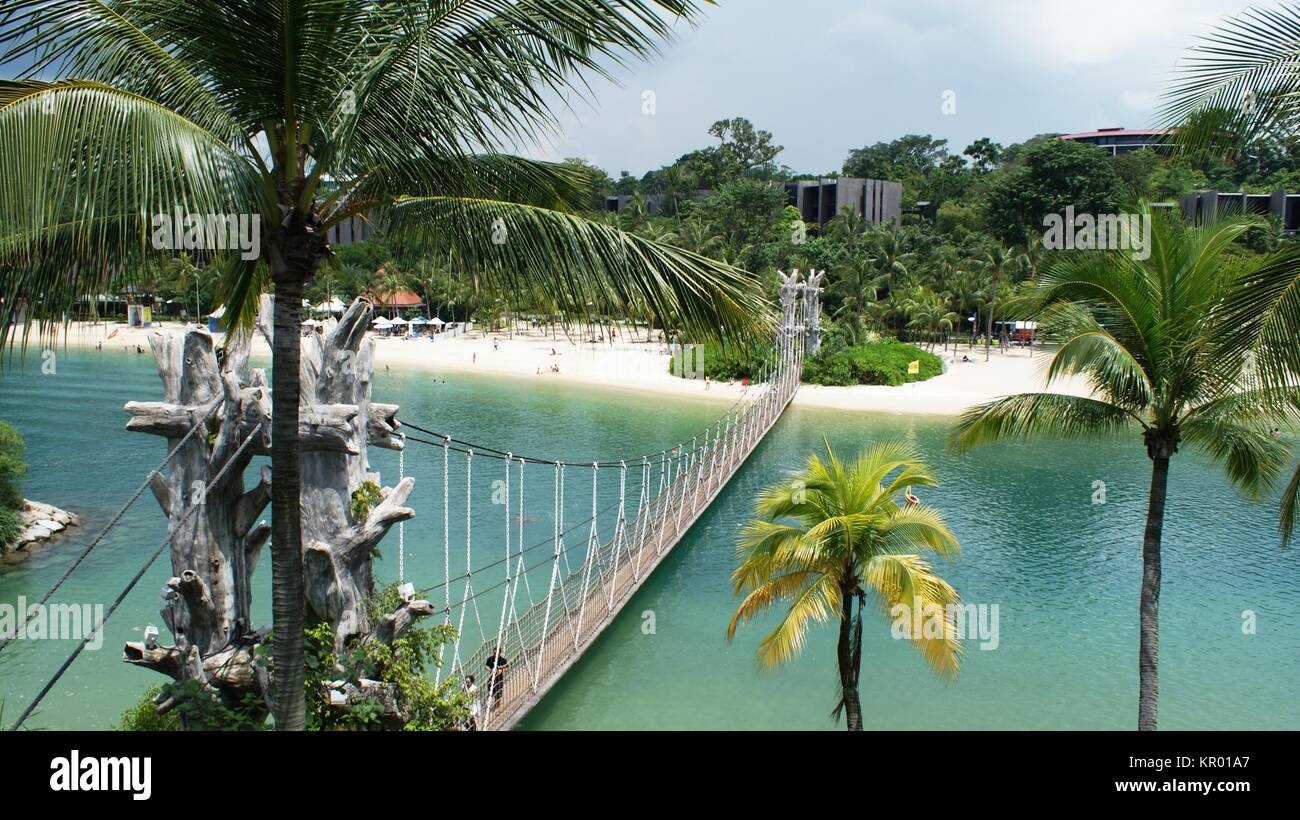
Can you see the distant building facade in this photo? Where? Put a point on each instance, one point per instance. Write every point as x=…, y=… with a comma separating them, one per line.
x=1121, y=140
x=877, y=201
x=818, y=200
x=1207, y=206
x=352, y=229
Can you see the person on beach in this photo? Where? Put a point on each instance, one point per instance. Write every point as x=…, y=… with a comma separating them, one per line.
x=496, y=665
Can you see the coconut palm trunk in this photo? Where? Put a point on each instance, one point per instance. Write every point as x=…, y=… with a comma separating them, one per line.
x=1149, y=608
x=849, y=657
x=988, y=330
x=287, y=614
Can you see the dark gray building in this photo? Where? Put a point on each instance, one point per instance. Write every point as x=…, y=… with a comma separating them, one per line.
x=820, y=200
x=1208, y=205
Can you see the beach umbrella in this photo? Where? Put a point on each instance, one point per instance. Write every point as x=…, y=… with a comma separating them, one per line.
x=311, y=323
x=436, y=321
x=419, y=320
x=382, y=322
x=399, y=321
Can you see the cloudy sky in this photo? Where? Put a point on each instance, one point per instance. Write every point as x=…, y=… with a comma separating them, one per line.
x=825, y=76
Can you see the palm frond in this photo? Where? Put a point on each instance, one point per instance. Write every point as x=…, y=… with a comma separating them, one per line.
x=1239, y=84
x=908, y=581
x=86, y=170
x=586, y=268
x=1033, y=415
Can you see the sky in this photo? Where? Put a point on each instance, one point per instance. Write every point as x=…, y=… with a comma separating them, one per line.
x=825, y=76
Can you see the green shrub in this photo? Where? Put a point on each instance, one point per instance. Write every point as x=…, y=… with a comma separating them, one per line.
x=881, y=362
x=10, y=527
x=12, y=467
x=144, y=717
x=719, y=363
x=402, y=664
x=364, y=498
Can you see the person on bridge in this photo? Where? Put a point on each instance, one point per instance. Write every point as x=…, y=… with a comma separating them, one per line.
x=496, y=664
x=471, y=689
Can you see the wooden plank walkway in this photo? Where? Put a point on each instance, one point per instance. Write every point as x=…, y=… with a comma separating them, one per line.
x=546, y=639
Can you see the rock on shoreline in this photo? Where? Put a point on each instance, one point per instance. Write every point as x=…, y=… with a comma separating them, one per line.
x=42, y=523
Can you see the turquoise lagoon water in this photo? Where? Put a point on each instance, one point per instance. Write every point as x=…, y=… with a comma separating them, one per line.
x=1062, y=570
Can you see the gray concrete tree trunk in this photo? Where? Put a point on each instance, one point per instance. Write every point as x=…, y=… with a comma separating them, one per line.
x=209, y=608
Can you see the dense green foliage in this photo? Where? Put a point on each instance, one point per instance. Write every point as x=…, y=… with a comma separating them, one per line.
x=403, y=665
x=880, y=362
x=144, y=717
x=1050, y=176
x=12, y=470
x=716, y=362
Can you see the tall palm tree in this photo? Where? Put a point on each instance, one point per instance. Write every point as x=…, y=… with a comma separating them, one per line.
x=1148, y=335
x=996, y=264
x=303, y=114
x=857, y=285
x=834, y=533
x=889, y=251
x=1241, y=83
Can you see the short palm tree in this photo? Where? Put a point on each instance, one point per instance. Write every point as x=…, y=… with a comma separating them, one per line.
x=834, y=534
x=1149, y=337
x=305, y=114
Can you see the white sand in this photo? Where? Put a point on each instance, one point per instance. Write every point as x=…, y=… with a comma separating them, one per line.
x=642, y=365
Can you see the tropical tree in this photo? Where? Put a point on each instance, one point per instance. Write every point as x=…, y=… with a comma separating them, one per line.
x=294, y=116
x=857, y=286
x=996, y=264
x=831, y=535
x=890, y=254
x=1148, y=335
x=928, y=313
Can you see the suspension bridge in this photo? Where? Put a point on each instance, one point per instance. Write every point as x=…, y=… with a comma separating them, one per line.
x=524, y=614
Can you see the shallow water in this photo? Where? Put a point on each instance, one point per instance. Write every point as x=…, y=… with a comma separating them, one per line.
x=1062, y=570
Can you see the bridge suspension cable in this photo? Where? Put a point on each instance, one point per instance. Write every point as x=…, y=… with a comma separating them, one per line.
x=108, y=613
x=527, y=642
x=117, y=517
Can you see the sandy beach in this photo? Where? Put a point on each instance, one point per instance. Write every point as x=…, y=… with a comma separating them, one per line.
x=631, y=362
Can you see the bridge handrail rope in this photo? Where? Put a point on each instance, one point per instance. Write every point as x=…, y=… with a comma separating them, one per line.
x=117, y=517
x=207, y=489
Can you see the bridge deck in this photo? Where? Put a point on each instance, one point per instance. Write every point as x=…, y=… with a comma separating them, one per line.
x=546, y=639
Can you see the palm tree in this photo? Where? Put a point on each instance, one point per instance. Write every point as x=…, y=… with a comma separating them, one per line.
x=1239, y=85
x=1149, y=337
x=888, y=250
x=301, y=115
x=857, y=286
x=928, y=312
x=995, y=264
x=830, y=535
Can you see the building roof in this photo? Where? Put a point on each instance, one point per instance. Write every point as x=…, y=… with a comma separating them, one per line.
x=1117, y=132
x=397, y=299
